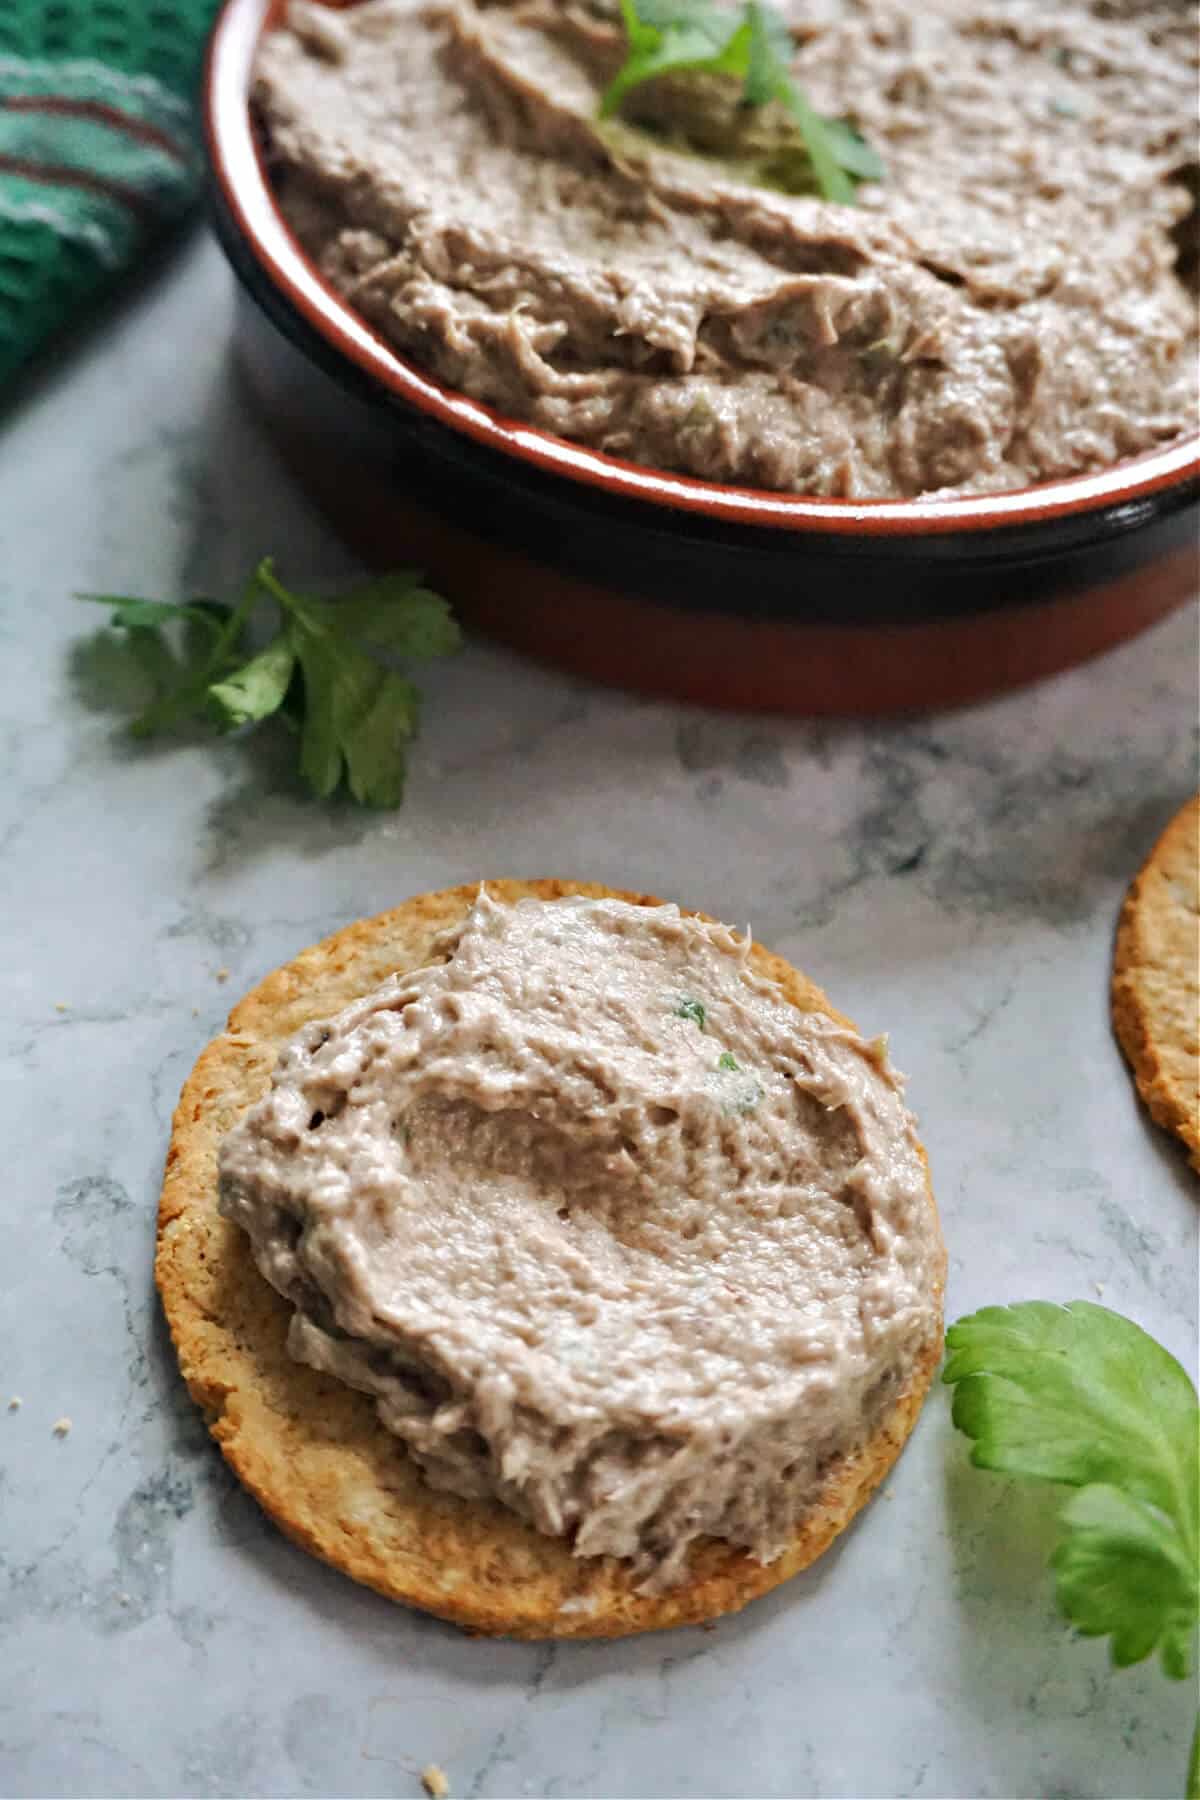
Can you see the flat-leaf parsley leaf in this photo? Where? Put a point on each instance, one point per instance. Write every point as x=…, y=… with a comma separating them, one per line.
x=320, y=670
x=751, y=43
x=1079, y=1395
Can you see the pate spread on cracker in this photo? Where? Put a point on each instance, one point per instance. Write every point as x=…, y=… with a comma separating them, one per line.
x=634, y=1254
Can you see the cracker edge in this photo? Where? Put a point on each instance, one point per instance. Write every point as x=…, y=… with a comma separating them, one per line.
x=219, y=1374
x=1132, y=1018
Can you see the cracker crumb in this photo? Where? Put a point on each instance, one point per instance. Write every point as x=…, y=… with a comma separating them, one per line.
x=222, y=974
x=433, y=1780
x=1099, y=1287
x=61, y=1427
x=61, y=1006
x=123, y=1600
x=195, y=1012
x=15, y=1403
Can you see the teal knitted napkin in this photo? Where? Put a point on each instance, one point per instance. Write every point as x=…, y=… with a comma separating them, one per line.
x=98, y=151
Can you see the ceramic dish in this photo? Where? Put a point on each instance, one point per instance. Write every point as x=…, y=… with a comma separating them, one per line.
x=662, y=582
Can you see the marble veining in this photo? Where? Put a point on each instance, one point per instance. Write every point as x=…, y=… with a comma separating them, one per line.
x=951, y=880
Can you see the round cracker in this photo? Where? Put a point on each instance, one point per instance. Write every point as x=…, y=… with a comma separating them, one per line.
x=1156, y=979
x=312, y=1451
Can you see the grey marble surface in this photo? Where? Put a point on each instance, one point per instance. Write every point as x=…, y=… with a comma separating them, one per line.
x=952, y=880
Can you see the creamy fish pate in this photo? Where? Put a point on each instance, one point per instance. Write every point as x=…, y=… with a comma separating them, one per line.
x=1005, y=307
x=612, y=1232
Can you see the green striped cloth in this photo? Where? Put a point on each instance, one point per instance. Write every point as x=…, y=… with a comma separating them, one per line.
x=98, y=151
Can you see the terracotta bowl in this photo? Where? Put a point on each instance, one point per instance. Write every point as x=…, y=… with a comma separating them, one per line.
x=660, y=582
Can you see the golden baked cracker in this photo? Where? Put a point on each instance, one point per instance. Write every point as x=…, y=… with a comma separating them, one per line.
x=1156, y=979
x=312, y=1451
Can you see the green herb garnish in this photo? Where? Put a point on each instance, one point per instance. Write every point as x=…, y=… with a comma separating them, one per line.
x=1079, y=1395
x=695, y=1010
x=322, y=670
x=738, y=1096
x=752, y=44
x=882, y=354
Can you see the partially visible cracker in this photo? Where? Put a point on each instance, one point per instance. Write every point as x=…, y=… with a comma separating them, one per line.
x=312, y=1451
x=1156, y=979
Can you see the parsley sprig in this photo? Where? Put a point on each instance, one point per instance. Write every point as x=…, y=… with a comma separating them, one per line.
x=753, y=44
x=326, y=670
x=1079, y=1395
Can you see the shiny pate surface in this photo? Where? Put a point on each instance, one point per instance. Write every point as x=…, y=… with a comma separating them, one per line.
x=1007, y=307
x=611, y=1230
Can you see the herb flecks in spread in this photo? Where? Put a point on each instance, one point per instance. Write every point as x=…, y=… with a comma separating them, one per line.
x=508, y=1197
x=326, y=670
x=1079, y=1396
x=753, y=45
x=1006, y=307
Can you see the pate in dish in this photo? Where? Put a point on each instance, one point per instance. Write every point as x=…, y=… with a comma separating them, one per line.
x=1007, y=305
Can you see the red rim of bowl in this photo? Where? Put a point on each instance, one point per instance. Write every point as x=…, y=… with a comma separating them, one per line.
x=245, y=189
